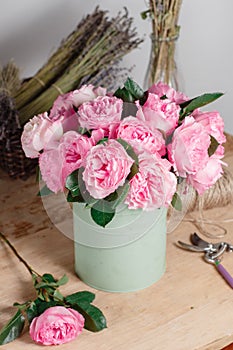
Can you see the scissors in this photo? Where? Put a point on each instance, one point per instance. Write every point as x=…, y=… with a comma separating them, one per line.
x=213, y=253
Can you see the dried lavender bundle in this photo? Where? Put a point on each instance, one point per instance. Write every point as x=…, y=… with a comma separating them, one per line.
x=110, y=41
x=68, y=50
x=9, y=82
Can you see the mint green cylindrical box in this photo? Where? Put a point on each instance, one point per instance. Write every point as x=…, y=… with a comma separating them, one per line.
x=129, y=254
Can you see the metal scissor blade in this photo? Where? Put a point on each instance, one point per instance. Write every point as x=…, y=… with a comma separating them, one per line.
x=193, y=248
x=196, y=240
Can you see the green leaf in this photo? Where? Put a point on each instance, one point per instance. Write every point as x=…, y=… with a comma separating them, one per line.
x=133, y=171
x=71, y=199
x=38, y=174
x=95, y=320
x=80, y=297
x=122, y=194
x=63, y=280
x=145, y=14
x=129, y=149
x=188, y=107
x=12, y=329
x=58, y=296
x=213, y=146
x=134, y=89
x=102, y=213
x=176, y=202
x=124, y=94
x=44, y=305
x=21, y=307
x=45, y=285
x=31, y=311
x=72, y=183
x=44, y=191
x=102, y=141
x=47, y=277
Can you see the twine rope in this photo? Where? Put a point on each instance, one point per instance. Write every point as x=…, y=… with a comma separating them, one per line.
x=219, y=195
x=58, y=89
x=167, y=39
x=39, y=81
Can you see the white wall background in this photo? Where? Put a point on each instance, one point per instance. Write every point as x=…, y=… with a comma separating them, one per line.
x=30, y=30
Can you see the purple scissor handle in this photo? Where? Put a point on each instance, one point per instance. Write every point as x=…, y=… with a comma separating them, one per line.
x=213, y=253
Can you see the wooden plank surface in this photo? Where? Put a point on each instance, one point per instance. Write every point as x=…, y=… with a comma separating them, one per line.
x=191, y=307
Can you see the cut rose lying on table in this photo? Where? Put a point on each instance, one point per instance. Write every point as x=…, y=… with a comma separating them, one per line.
x=130, y=147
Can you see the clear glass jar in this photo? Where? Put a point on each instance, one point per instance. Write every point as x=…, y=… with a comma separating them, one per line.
x=162, y=65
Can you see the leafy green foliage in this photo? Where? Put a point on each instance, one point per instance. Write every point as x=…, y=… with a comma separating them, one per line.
x=31, y=311
x=121, y=192
x=78, y=297
x=95, y=321
x=72, y=183
x=129, y=149
x=131, y=92
x=188, y=107
x=176, y=202
x=102, y=212
x=44, y=191
x=213, y=146
x=12, y=329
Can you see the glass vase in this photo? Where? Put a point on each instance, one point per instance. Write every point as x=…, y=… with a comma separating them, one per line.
x=162, y=65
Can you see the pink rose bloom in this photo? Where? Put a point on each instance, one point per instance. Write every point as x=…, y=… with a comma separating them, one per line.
x=206, y=177
x=86, y=93
x=213, y=123
x=188, y=151
x=100, y=113
x=159, y=114
x=138, y=134
x=63, y=111
x=50, y=163
x=107, y=167
x=73, y=148
x=153, y=186
x=162, y=89
x=38, y=133
x=57, y=325
x=56, y=164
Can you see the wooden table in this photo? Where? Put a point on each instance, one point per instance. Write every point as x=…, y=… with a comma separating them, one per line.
x=190, y=307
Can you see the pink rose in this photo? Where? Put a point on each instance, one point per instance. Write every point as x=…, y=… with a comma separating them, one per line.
x=50, y=163
x=162, y=89
x=57, y=325
x=73, y=148
x=38, y=133
x=138, y=134
x=159, y=114
x=188, y=151
x=206, y=177
x=213, y=123
x=153, y=186
x=107, y=167
x=56, y=164
x=86, y=93
x=63, y=111
x=100, y=113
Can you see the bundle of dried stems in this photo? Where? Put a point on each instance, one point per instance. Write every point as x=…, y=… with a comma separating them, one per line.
x=164, y=16
x=91, y=53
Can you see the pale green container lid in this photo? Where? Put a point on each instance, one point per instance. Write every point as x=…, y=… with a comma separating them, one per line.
x=129, y=254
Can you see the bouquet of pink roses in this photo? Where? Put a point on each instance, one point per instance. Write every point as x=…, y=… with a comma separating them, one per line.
x=132, y=147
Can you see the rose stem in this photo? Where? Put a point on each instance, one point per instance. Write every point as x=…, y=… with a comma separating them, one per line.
x=32, y=272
